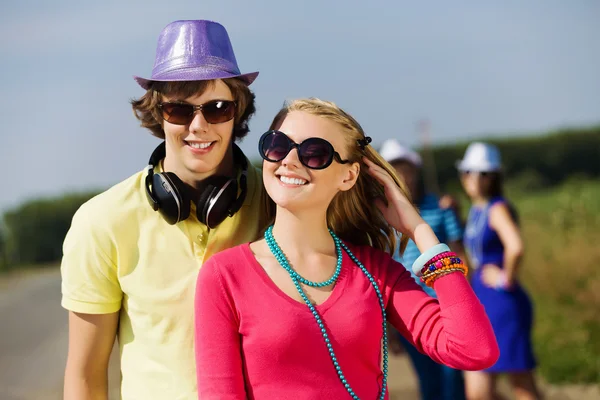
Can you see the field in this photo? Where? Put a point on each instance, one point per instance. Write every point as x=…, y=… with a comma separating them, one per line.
x=561, y=272
x=561, y=228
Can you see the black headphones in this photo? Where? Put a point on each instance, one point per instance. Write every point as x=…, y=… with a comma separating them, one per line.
x=168, y=195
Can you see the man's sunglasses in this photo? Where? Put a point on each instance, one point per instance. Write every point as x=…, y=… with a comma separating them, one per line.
x=313, y=153
x=214, y=112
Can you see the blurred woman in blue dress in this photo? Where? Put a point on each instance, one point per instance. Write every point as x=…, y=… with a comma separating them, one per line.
x=493, y=243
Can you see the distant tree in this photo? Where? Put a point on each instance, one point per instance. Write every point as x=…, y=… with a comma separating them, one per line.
x=3, y=258
x=36, y=229
x=542, y=161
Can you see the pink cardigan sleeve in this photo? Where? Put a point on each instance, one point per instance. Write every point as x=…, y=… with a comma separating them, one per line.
x=453, y=330
x=217, y=341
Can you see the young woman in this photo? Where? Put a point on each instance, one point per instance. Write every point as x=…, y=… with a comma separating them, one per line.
x=302, y=313
x=494, y=245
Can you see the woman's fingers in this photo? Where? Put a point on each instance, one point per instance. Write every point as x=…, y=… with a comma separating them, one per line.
x=379, y=173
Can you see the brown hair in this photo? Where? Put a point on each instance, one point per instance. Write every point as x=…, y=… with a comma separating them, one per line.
x=352, y=214
x=494, y=189
x=146, y=109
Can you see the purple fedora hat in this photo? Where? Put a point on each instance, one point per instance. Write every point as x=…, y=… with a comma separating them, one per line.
x=194, y=50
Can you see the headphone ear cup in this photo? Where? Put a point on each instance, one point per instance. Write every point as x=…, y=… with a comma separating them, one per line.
x=170, y=191
x=215, y=200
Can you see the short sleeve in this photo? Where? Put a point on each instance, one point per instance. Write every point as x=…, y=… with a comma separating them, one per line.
x=90, y=282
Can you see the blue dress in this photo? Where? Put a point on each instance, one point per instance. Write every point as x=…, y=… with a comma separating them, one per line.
x=509, y=311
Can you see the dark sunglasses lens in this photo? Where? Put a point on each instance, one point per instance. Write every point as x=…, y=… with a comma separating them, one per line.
x=217, y=112
x=482, y=174
x=178, y=114
x=275, y=146
x=316, y=153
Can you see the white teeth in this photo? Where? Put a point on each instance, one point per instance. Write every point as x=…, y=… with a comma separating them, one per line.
x=203, y=145
x=292, y=181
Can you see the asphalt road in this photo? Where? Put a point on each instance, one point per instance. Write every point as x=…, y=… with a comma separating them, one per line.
x=33, y=337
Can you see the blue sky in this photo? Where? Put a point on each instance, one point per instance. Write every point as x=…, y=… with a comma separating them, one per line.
x=474, y=68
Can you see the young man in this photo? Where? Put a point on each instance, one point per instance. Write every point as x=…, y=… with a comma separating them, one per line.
x=436, y=381
x=132, y=254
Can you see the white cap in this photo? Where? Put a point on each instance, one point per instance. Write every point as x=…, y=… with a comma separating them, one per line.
x=392, y=151
x=481, y=157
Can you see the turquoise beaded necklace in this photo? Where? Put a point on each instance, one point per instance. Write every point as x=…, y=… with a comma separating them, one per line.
x=297, y=280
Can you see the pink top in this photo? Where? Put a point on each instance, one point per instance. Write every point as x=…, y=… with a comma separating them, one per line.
x=255, y=342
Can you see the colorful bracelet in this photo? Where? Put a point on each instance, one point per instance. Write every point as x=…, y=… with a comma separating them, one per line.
x=436, y=262
x=445, y=258
x=440, y=265
x=430, y=280
x=427, y=256
x=442, y=269
x=431, y=277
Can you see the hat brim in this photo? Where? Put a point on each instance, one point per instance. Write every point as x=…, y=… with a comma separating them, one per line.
x=248, y=78
x=461, y=167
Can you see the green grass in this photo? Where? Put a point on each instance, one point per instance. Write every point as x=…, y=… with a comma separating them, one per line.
x=561, y=272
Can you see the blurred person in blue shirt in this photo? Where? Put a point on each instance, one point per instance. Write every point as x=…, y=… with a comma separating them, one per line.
x=436, y=381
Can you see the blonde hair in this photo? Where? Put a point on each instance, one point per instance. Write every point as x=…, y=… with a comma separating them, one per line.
x=352, y=214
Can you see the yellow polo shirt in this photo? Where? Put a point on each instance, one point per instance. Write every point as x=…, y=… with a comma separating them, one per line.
x=119, y=254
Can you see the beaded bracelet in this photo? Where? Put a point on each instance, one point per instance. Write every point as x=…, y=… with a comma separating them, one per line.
x=440, y=265
x=445, y=258
x=443, y=268
x=430, y=278
x=439, y=270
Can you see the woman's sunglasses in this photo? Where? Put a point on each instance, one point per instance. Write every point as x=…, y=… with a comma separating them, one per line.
x=214, y=112
x=313, y=153
x=467, y=172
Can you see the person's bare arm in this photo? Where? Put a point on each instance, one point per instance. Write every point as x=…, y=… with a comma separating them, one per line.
x=508, y=232
x=91, y=339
